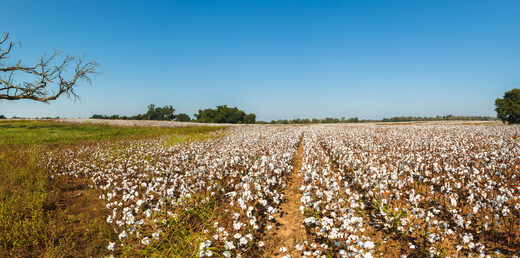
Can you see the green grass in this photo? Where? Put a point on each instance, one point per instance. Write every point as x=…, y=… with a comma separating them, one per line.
x=38, y=216
x=43, y=132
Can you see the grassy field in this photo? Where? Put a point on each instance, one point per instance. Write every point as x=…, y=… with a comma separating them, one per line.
x=47, y=132
x=62, y=216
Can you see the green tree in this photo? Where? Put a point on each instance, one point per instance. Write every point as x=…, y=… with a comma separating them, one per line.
x=206, y=116
x=159, y=113
x=224, y=114
x=182, y=118
x=508, y=108
x=250, y=119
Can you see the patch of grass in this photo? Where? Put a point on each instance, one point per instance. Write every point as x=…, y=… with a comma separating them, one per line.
x=22, y=199
x=44, y=132
x=37, y=215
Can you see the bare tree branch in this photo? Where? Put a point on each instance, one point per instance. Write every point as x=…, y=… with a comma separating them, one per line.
x=50, y=76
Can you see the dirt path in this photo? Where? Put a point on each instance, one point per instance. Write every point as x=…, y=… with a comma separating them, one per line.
x=288, y=231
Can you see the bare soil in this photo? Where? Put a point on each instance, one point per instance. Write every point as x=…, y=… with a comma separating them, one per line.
x=288, y=231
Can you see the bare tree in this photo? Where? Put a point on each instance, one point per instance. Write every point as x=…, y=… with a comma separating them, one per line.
x=47, y=75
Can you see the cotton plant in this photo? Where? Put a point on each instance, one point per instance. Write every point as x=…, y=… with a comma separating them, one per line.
x=432, y=190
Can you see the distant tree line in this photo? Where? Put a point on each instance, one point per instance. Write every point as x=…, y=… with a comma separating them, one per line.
x=327, y=120
x=17, y=117
x=153, y=113
x=438, y=118
x=221, y=114
x=330, y=120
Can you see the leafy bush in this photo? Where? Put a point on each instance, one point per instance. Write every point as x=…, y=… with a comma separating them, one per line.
x=182, y=118
x=159, y=113
x=224, y=114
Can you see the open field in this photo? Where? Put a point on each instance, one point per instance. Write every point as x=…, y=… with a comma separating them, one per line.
x=139, y=123
x=71, y=131
x=423, y=189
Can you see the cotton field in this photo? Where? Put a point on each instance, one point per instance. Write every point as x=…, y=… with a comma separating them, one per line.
x=363, y=190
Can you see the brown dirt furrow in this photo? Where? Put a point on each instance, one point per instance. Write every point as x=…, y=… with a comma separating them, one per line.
x=288, y=231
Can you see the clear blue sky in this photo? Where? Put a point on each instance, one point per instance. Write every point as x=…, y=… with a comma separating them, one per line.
x=278, y=59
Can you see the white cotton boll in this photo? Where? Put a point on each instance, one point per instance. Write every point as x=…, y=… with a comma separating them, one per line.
x=432, y=238
x=229, y=245
x=237, y=225
x=170, y=191
x=283, y=249
x=123, y=235
x=459, y=220
x=453, y=202
x=261, y=243
x=111, y=246
x=467, y=238
x=369, y=245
